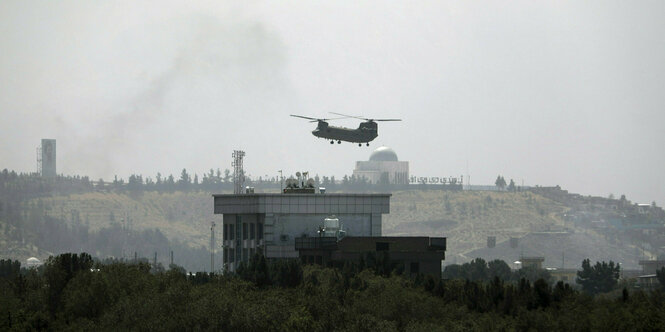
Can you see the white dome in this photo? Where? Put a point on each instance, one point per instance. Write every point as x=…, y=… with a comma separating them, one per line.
x=383, y=153
x=33, y=262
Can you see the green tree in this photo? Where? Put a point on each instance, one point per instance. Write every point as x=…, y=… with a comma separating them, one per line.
x=59, y=271
x=185, y=180
x=599, y=278
x=500, y=182
x=256, y=270
x=511, y=186
x=499, y=268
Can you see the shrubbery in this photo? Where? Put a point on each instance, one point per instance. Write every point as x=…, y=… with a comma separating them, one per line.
x=73, y=292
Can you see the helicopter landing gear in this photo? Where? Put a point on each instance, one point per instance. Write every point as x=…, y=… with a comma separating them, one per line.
x=360, y=144
x=367, y=143
x=332, y=142
x=339, y=142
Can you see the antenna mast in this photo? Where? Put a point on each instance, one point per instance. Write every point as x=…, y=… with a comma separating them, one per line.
x=238, y=172
x=39, y=161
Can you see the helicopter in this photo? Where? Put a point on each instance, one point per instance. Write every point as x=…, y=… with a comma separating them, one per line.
x=365, y=133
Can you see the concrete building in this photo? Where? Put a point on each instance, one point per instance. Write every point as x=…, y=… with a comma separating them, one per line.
x=269, y=223
x=383, y=166
x=566, y=275
x=652, y=266
x=413, y=254
x=48, y=159
x=533, y=262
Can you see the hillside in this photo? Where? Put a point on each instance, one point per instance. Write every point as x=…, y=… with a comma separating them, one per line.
x=466, y=218
x=182, y=215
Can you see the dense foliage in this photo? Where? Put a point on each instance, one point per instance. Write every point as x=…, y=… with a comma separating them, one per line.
x=480, y=270
x=599, y=278
x=73, y=292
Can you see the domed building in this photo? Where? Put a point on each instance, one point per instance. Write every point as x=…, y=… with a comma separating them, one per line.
x=33, y=262
x=383, y=167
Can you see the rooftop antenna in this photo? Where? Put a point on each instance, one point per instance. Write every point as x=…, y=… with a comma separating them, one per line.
x=238, y=172
x=281, y=181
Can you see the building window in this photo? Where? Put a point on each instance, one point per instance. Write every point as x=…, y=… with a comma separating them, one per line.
x=382, y=246
x=226, y=231
x=232, y=256
x=244, y=231
x=259, y=231
x=231, y=229
x=319, y=260
x=252, y=231
x=415, y=267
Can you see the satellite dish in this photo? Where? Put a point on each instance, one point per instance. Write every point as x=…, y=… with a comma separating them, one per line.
x=310, y=183
x=298, y=174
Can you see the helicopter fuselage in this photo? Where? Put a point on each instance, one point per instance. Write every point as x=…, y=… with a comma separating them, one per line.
x=366, y=132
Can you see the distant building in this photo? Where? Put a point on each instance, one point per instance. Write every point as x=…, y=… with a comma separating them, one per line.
x=33, y=262
x=568, y=276
x=383, y=167
x=269, y=223
x=491, y=241
x=534, y=262
x=48, y=159
x=651, y=266
x=415, y=254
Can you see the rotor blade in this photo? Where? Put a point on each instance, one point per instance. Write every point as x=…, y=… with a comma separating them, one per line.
x=386, y=119
x=350, y=116
x=304, y=117
x=334, y=118
x=315, y=119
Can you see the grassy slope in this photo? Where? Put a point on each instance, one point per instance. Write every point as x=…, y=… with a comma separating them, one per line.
x=181, y=215
x=470, y=218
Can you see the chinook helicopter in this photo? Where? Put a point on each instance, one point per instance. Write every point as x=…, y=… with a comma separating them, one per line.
x=365, y=133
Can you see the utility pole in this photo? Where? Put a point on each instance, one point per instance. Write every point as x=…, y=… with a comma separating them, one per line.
x=212, y=247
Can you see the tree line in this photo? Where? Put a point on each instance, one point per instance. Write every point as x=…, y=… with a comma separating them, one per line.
x=77, y=292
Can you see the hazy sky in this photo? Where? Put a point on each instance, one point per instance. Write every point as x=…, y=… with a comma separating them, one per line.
x=567, y=93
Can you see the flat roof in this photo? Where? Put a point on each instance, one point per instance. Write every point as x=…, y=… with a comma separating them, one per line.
x=301, y=194
x=339, y=203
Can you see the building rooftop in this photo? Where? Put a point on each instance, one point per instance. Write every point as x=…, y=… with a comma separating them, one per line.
x=302, y=203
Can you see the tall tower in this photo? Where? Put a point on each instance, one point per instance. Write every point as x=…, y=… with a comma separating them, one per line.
x=48, y=159
x=238, y=172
